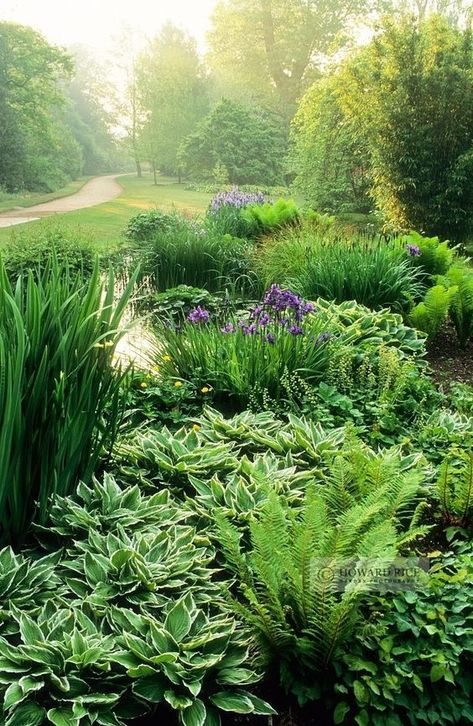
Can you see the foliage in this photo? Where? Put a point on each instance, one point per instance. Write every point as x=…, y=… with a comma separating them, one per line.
x=59, y=393
x=268, y=53
x=171, y=91
x=249, y=143
x=430, y=314
x=266, y=218
x=461, y=308
x=332, y=168
x=225, y=212
x=455, y=488
x=412, y=664
x=431, y=255
x=420, y=158
x=371, y=272
x=35, y=249
x=213, y=188
x=355, y=515
x=190, y=254
x=241, y=357
x=145, y=225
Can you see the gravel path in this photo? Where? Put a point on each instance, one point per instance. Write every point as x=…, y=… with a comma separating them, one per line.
x=96, y=191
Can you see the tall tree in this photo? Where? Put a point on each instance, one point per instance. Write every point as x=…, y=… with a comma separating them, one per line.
x=410, y=96
x=31, y=142
x=270, y=50
x=171, y=88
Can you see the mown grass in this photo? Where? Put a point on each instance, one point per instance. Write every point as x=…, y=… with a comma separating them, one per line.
x=104, y=224
x=9, y=202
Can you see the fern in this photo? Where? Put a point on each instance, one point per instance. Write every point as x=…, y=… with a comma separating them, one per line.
x=461, y=308
x=455, y=488
x=359, y=512
x=429, y=315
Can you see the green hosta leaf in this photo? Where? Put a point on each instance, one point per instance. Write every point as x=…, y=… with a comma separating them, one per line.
x=194, y=715
x=234, y=702
x=94, y=571
x=13, y=695
x=340, y=712
x=30, y=631
x=27, y=714
x=121, y=557
x=178, y=621
x=62, y=717
x=176, y=701
x=236, y=676
x=260, y=707
x=151, y=689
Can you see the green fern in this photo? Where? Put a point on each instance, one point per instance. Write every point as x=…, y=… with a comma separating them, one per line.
x=461, y=308
x=361, y=511
x=429, y=315
x=455, y=488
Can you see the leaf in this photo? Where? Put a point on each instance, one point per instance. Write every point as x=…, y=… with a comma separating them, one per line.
x=194, y=715
x=30, y=631
x=176, y=701
x=14, y=694
x=234, y=702
x=178, y=621
x=340, y=712
x=27, y=714
x=437, y=672
x=62, y=717
x=151, y=689
x=121, y=557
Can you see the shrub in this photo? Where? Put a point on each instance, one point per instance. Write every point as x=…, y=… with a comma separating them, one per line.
x=430, y=314
x=428, y=253
x=59, y=392
x=225, y=212
x=461, y=307
x=145, y=225
x=35, y=249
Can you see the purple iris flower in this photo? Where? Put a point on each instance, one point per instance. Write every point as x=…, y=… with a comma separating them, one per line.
x=295, y=330
x=236, y=199
x=324, y=338
x=198, y=315
x=228, y=328
x=270, y=338
x=413, y=250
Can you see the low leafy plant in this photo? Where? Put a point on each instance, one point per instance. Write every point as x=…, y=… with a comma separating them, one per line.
x=428, y=253
x=60, y=393
x=461, y=307
x=412, y=663
x=224, y=215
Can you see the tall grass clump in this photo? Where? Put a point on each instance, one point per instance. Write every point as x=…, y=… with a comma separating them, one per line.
x=371, y=271
x=60, y=401
x=193, y=255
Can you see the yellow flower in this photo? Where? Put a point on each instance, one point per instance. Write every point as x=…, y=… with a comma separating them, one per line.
x=178, y=384
x=144, y=385
x=167, y=358
x=196, y=427
x=156, y=369
x=205, y=389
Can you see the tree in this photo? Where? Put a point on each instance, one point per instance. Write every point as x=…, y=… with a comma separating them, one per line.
x=31, y=137
x=410, y=95
x=329, y=159
x=456, y=12
x=270, y=50
x=249, y=145
x=171, y=88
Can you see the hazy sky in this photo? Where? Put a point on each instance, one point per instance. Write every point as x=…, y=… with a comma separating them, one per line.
x=96, y=22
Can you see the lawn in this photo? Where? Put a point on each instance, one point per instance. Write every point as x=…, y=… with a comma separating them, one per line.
x=104, y=223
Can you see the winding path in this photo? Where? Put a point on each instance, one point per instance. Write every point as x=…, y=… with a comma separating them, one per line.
x=96, y=191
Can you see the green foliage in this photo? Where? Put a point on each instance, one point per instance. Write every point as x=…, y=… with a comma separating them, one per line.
x=413, y=662
x=421, y=158
x=266, y=218
x=34, y=250
x=190, y=254
x=250, y=144
x=298, y=617
x=461, y=308
x=59, y=392
x=435, y=257
x=430, y=314
x=331, y=165
x=146, y=225
x=455, y=488
x=371, y=272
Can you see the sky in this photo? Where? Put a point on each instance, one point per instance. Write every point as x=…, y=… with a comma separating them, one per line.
x=97, y=22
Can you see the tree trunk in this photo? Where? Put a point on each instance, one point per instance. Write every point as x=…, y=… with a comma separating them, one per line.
x=154, y=173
